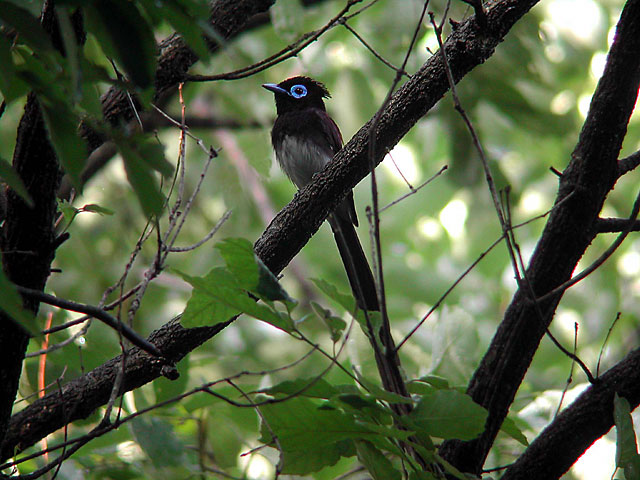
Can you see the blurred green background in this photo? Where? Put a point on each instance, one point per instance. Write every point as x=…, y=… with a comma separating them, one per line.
x=527, y=103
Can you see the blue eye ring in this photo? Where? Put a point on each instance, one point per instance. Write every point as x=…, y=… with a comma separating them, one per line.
x=298, y=91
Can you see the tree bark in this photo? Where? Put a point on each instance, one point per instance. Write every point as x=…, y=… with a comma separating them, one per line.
x=466, y=48
x=584, y=186
x=27, y=238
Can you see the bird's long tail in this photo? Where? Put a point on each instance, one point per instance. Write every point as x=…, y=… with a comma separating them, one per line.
x=364, y=289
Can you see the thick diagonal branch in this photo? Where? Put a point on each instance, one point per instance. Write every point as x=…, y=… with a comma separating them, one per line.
x=294, y=225
x=573, y=431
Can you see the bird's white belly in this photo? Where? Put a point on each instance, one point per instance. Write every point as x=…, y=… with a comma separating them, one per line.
x=301, y=159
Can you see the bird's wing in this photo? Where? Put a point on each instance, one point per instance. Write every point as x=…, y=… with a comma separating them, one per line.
x=333, y=137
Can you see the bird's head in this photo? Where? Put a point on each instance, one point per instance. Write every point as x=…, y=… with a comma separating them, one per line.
x=298, y=93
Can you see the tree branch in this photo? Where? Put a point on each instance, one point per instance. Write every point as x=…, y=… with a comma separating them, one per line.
x=228, y=18
x=27, y=234
x=627, y=164
x=614, y=225
x=574, y=430
x=590, y=176
x=80, y=397
x=467, y=47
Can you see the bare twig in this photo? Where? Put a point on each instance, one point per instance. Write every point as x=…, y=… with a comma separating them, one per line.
x=343, y=22
x=615, y=225
x=629, y=163
x=573, y=363
x=600, y=260
x=95, y=312
x=415, y=190
x=289, y=51
x=604, y=343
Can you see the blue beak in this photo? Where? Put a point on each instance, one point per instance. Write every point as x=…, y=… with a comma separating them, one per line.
x=275, y=88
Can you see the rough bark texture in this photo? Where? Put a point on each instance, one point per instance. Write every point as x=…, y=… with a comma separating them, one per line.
x=571, y=228
x=584, y=186
x=79, y=398
x=27, y=238
x=573, y=431
x=466, y=48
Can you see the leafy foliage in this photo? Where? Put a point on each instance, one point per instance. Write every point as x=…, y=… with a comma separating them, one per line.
x=310, y=405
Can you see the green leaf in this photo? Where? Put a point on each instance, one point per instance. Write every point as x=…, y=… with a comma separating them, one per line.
x=144, y=184
x=202, y=308
x=11, y=303
x=240, y=260
x=26, y=24
x=42, y=77
x=72, y=57
x=378, y=466
x=10, y=85
x=158, y=440
x=449, y=414
x=510, y=428
x=626, y=447
x=11, y=178
x=68, y=211
x=336, y=324
x=62, y=125
x=223, y=288
x=345, y=301
x=307, y=387
x=310, y=437
x=95, y=208
x=382, y=394
x=249, y=271
x=183, y=20
x=436, y=381
x=269, y=288
x=421, y=475
x=125, y=34
x=152, y=153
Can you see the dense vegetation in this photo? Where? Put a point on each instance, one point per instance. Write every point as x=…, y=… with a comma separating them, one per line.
x=139, y=185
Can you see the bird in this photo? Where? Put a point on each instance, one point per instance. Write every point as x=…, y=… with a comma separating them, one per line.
x=305, y=139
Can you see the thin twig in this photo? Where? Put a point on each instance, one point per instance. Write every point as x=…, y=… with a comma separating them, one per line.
x=604, y=343
x=471, y=267
x=416, y=189
x=206, y=238
x=184, y=128
x=95, y=312
x=601, y=259
x=289, y=51
x=343, y=22
x=573, y=364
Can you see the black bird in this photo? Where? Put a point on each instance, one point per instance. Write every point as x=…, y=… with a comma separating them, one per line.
x=305, y=138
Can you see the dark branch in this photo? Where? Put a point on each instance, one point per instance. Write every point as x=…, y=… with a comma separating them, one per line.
x=95, y=312
x=228, y=18
x=467, y=47
x=615, y=225
x=573, y=431
x=590, y=176
x=27, y=235
x=629, y=163
x=79, y=398
x=294, y=225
